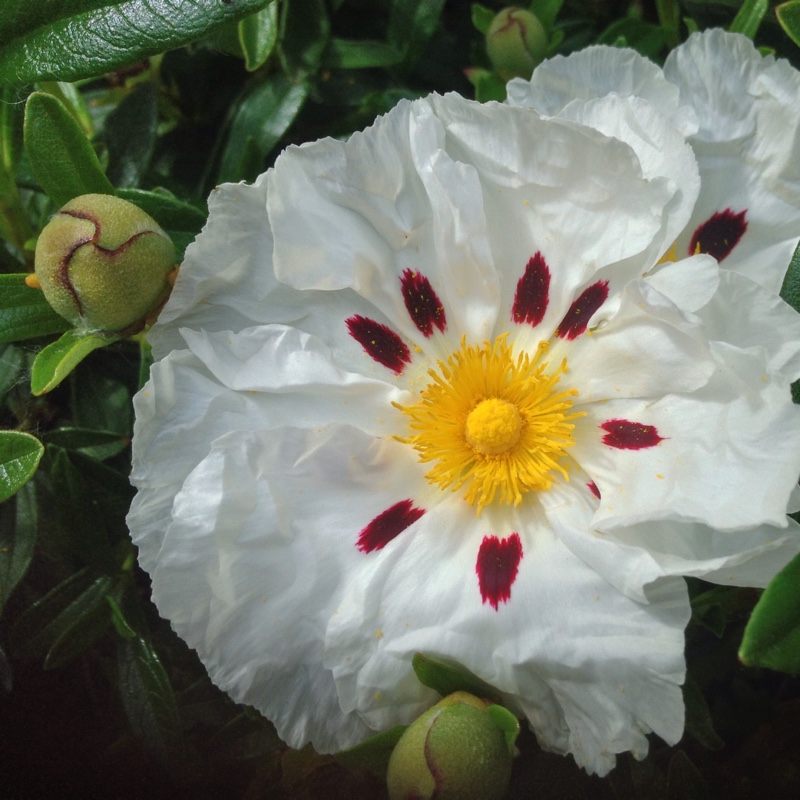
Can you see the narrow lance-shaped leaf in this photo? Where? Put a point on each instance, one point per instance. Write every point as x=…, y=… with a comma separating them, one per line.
x=749, y=17
x=103, y=39
x=258, y=35
x=61, y=157
x=789, y=17
x=18, y=529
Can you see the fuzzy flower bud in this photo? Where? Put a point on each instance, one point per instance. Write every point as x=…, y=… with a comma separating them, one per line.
x=516, y=43
x=103, y=264
x=454, y=751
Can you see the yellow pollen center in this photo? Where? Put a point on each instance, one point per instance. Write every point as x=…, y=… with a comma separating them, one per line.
x=495, y=423
x=493, y=426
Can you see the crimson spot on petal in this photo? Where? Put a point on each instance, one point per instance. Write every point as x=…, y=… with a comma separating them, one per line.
x=533, y=292
x=387, y=525
x=497, y=565
x=626, y=435
x=423, y=304
x=593, y=489
x=580, y=312
x=719, y=234
x=380, y=343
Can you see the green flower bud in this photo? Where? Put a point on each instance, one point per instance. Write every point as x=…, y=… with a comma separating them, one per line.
x=103, y=264
x=516, y=43
x=454, y=751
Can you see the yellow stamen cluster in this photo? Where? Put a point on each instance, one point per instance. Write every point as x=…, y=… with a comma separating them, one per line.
x=492, y=422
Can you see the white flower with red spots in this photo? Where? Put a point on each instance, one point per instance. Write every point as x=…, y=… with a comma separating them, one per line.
x=739, y=112
x=430, y=390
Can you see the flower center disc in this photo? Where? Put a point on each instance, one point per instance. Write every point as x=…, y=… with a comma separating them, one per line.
x=493, y=426
x=497, y=424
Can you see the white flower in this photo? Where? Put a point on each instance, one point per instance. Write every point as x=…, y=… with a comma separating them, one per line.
x=430, y=390
x=740, y=113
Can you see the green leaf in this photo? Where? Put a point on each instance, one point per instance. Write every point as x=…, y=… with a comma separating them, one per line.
x=789, y=17
x=18, y=530
x=58, y=359
x=507, y=723
x=258, y=35
x=373, y=754
x=447, y=678
x=488, y=85
x=148, y=698
x=698, y=717
x=18, y=17
x=304, y=31
x=772, y=636
x=66, y=622
x=546, y=11
x=481, y=17
x=20, y=454
x=262, y=116
x=129, y=134
x=790, y=292
x=61, y=157
x=24, y=313
x=166, y=209
x=411, y=25
x=99, y=40
x=748, y=19
x=86, y=439
x=118, y=619
x=644, y=37
x=362, y=54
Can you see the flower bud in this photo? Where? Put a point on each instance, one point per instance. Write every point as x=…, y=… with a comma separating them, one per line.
x=454, y=751
x=103, y=264
x=516, y=43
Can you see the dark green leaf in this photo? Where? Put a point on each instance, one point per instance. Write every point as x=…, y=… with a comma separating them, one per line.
x=12, y=361
x=6, y=672
x=304, y=33
x=447, y=678
x=80, y=438
x=411, y=25
x=790, y=292
x=17, y=539
x=546, y=11
x=647, y=39
x=148, y=698
x=95, y=41
x=684, y=780
x=789, y=18
x=22, y=16
x=129, y=134
x=481, y=17
x=118, y=619
x=58, y=359
x=772, y=636
x=748, y=19
x=181, y=240
x=166, y=209
x=698, y=717
x=258, y=35
x=20, y=454
x=24, y=313
x=262, y=116
x=65, y=622
x=373, y=755
x=352, y=54
x=61, y=157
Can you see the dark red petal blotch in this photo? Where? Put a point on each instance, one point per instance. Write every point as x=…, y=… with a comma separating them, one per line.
x=380, y=343
x=497, y=565
x=626, y=435
x=580, y=312
x=719, y=234
x=387, y=525
x=533, y=292
x=423, y=304
x=593, y=489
